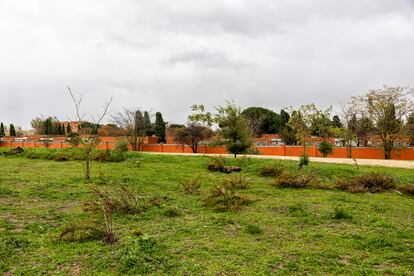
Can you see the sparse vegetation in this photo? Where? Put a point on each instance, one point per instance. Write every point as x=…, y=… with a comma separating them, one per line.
x=296, y=179
x=225, y=198
x=275, y=169
x=373, y=182
x=192, y=186
x=50, y=221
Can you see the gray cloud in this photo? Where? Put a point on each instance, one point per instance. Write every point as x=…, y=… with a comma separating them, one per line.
x=166, y=55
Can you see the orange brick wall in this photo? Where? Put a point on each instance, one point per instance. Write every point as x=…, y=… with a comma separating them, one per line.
x=110, y=143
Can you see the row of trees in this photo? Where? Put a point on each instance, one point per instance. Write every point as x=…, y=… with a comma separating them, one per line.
x=137, y=124
x=233, y=132
x=50, y=126
x=386, y=114
x=12, y=130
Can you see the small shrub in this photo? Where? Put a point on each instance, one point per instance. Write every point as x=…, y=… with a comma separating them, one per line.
x=407, y=189
x=340, y=213
x=239, y=181
x=134, y=163
x=325, y=148
x=275, y=170
x=296, y=180
x=192, y=186
x=122, y=200
x=121, y=148
x=60, y=156
x=172, y=212
x=217, y=163
x=224, y=198
x=108, y=156
x=253, y=229
x=82, y=231
x=33, y=155
x=373, y=182
x=156, y=201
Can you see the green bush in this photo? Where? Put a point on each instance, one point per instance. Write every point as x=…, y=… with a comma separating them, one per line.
x=303, y=161
x=340, y=213
x=274, y=170
x=253, y=229
x=325, y=148
x=192, y=186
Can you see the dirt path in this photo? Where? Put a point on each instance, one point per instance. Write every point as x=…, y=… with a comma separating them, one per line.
x=361, y=162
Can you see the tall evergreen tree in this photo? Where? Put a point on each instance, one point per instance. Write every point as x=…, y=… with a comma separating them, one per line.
x=284, y=119
x=48, y=126
x=68, y=129
x=2, y=134
x=147, y=124
x=336, y=122
x=12, y=130
x=160, y=127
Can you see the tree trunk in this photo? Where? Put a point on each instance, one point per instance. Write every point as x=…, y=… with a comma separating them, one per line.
x=387, y=150
x=87, y=169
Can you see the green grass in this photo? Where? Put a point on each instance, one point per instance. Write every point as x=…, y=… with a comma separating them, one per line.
x=283, y=231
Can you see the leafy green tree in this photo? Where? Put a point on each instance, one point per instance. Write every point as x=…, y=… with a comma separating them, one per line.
x=12, y=130
x=336, y=122
x=284, y=119
x=288, y=135
x=73, y=138
x=38, y=125
x=160, y=127
x=149, y=130
x=262, y=120
x=409, y=128
x=386, y=108
x=200, y=116
x=307, y=120
x=325, y=148
x=234, y=128
x=2, y=133
x=48, y=126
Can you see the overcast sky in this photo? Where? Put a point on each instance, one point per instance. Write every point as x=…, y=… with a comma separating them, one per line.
x=165, y=55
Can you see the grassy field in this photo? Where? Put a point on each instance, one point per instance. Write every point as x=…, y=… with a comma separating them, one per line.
x=296, y=231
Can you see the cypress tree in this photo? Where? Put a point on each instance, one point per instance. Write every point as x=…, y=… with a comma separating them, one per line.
x=12, y=130
x=2, y=130
x=160, y=127
x=147, y=124
x=68, y=129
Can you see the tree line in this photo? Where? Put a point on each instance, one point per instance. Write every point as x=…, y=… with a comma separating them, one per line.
x=386, y=114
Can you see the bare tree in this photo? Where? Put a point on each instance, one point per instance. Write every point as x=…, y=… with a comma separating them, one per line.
x=89, y=142
x=133, y=124
x=192, y=135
